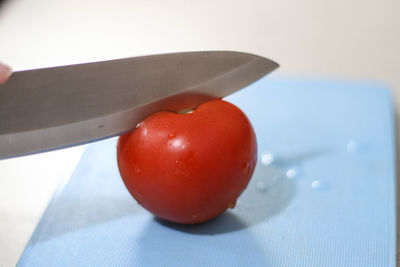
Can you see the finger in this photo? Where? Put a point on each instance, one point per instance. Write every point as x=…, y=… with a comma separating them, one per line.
x=5, y=73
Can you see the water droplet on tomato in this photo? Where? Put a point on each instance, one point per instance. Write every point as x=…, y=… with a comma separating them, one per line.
x=237, y=206
x=267, y=158
x=139, y=124
x=172, y=135
x=176, y=143
x=232, y=205
x=247, y=167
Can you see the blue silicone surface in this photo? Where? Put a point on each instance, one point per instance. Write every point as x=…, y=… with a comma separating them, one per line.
x=323, y=192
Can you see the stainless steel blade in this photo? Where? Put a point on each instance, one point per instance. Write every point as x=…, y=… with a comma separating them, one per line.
x=56, y=107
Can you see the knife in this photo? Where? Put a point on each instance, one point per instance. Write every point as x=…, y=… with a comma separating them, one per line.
x=50, y=108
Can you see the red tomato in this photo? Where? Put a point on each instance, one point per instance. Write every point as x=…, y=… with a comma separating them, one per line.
x=188, y=168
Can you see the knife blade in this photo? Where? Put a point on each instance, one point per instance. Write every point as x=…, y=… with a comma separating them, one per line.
x=50, y=108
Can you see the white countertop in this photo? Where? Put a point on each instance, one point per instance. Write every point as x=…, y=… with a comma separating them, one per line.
x=343, y=39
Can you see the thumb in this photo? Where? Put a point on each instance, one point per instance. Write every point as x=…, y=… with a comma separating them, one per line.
x=5, y=73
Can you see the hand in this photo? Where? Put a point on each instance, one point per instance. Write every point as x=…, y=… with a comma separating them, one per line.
x=5, y=73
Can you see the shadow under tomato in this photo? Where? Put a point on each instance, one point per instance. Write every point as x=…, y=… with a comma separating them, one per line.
x=224, y=223
x=268, y=193
x=197, y=246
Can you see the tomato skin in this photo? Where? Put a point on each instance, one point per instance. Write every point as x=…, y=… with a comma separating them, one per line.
x=189, y=168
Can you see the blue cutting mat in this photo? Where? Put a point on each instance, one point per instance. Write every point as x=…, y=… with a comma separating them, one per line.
x=323, y=193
